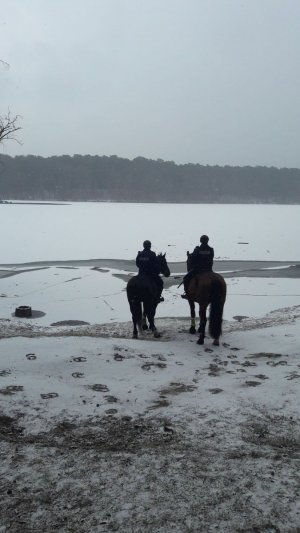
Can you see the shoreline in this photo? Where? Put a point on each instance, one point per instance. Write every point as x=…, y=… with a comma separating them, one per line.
x=227, y=268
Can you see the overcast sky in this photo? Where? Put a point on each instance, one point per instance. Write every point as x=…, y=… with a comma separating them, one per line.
x=200, y=81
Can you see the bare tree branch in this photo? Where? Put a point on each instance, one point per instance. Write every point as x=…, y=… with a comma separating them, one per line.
x=8, y=127
x=4, y=64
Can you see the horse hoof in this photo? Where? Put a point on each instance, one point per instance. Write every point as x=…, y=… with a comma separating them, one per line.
x=192, y=329
x=200, y=341
x=216, y=342
x=135, y=336
x=156, y=334
x=145, y=327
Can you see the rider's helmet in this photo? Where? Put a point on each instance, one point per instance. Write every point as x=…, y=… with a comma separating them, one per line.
x=147, y=245
x=204, y=239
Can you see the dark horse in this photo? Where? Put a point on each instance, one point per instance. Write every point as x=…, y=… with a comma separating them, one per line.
x=207, y=288
x=142, y=290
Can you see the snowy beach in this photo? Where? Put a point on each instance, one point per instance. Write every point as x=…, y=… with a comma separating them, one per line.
x=100, y=432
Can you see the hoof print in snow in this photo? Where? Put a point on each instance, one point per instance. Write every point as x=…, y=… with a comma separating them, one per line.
x=208, y=350
x=30, y=356
x=261, y=376
x=292, y=375
x=158, y=403
x=49, y=395
x=111, y=399
x=98, y=387
x=215, y=391
x=4, y=373
x=147, y=366
x=177, y=388
x=78, y=375
x=119, y=357
x=269, y=355
x=278, y=363
x=252, y=383
x=214, y=370
x=11, y=389
x=249, y=363
x=111, y=411
x=79, y=359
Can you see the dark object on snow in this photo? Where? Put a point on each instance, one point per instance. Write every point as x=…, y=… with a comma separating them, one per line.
x=207, y=288
x=143, y=295
x=23, y=311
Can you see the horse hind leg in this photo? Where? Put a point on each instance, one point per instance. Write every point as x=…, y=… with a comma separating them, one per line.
x=193, y=317
x=144, y=321
x=136, y=313
x=150, y=309
x=202, y=326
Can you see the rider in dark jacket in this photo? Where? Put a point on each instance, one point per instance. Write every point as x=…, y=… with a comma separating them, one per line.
x=200, y=260
x=147, y=265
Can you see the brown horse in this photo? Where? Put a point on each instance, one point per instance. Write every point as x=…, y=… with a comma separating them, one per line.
x=207, y=288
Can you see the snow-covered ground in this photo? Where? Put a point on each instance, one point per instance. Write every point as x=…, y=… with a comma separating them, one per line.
x=100, y=432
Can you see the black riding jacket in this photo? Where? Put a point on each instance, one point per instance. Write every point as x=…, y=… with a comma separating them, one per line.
x=146, y=263
x=201, y=258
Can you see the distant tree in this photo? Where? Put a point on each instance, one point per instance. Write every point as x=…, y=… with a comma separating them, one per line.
x=8, y=127
x=8, y=123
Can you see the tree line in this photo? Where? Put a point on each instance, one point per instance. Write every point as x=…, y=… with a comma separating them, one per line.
x=103, y=178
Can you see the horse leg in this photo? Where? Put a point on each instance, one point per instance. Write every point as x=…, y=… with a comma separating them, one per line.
x=136, y=312
x=144, y=321
x=150, y=309
x=193, y=316
x=202, y=312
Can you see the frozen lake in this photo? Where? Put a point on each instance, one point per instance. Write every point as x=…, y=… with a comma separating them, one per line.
x=115, y=230
x=90, y=231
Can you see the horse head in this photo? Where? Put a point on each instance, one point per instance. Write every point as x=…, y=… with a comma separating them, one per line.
x=163, y=265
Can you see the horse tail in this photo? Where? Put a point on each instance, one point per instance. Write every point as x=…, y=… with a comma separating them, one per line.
x=218, y=293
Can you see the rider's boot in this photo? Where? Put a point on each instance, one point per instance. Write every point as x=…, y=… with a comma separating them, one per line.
x=184, y=296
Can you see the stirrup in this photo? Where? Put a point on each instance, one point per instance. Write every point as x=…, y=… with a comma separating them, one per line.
x=184, y=296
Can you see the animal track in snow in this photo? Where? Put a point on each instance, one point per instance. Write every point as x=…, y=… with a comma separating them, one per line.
x=49, y=395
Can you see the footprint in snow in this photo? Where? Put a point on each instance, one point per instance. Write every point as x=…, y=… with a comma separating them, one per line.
x=99, y=387
x=111, y=411
x=292, y=375
x=49, y=395
x=147, y=366
x=4, y=373
x=11, y=389
x=119, y=357
x=111, y=399
x=30, y=356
